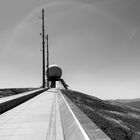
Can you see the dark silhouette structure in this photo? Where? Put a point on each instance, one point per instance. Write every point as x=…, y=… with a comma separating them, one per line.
x=43, y=51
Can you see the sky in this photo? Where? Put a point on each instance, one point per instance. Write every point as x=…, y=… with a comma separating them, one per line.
x=95, y=42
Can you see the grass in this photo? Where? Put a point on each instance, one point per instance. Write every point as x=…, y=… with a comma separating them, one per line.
x=13, y=91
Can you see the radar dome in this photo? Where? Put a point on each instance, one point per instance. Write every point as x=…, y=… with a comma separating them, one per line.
x=55, y=72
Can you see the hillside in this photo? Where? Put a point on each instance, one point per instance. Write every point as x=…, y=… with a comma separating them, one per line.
x=135, y=104
x=126, y=100
x=118, y=121
x=130, y=102
x=13, y=91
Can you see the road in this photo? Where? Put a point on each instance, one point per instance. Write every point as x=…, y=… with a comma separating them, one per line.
x=37, y=119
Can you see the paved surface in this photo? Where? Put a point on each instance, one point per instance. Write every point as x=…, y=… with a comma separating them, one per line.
x=37, y=119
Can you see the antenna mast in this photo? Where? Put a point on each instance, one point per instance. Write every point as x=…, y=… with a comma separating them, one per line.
x=47, y=62
x=43, y=51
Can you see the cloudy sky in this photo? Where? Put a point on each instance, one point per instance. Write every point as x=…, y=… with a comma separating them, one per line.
x=96, y=42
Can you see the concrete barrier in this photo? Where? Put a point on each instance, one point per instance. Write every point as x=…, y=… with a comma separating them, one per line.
x=76, y=125
x=8, y=103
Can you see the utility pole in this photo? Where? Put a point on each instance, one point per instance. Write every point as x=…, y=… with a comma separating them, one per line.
x=43, y=51
x=47, y=62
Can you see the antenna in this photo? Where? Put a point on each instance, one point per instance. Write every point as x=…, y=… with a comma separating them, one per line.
x=43, y=51
x=47, y=62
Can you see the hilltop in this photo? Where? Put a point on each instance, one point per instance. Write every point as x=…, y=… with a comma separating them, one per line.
x=118, y=121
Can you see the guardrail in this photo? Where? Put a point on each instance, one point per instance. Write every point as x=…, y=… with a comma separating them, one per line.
x=10, y=102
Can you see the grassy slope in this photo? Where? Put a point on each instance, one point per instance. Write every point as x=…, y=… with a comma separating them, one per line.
x=13, y=91
x=130, y=102
x=135, y=104
x=118, y=121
